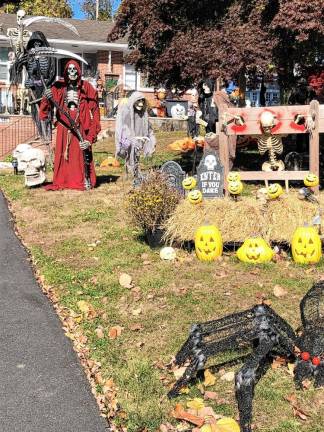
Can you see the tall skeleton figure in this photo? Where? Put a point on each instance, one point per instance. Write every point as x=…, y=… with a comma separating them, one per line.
x=270, y=143
x=78, y=118
x=33, y=53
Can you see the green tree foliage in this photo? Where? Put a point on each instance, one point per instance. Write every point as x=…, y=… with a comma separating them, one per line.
x=180, y=41
x=53, y=8
x=105, y=9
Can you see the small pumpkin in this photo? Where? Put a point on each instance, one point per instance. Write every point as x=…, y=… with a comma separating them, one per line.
x=274, y=191
x=233, y=176
x=311, y=180
x=189, y=183
x=208, y=243
x=306, y=246
x=194, y=196
x=255, y=250
x=235, y=187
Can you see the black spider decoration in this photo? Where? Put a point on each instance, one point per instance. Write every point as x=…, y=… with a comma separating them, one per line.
x=261, y=329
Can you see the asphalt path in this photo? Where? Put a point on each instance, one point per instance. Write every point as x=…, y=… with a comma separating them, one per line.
x=42, y=385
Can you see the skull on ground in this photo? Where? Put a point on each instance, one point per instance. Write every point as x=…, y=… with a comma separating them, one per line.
x=33, y=163
x=18, y=151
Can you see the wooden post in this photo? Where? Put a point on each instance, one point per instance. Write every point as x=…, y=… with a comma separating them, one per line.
x=223, y=149
x=314, y=140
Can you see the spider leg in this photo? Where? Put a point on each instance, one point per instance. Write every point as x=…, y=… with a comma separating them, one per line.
x=246, y=379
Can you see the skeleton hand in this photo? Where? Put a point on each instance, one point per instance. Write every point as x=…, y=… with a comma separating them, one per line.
x=48, y=94
x=84, y=145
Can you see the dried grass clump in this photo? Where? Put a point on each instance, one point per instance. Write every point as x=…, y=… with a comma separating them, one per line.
x=151, y=204
x=276, y=220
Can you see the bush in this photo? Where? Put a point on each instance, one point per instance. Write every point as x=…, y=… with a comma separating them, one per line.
x=151, y=204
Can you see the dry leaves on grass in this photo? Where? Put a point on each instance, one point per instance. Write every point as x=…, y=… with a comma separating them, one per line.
x=279, y=291
x=278, y=362
x=179, y=413
x=87, y=309
x=125, y=280
x=99, y=332
x=210, y=379
x=115, y=332
x=297, y=410
x=228, y=376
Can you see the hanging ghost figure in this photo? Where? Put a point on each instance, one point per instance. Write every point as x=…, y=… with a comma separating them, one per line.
x=134, y=133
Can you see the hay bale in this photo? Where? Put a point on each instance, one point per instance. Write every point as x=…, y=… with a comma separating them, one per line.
x=274, y=221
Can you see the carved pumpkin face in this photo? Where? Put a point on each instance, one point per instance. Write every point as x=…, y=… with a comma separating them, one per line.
x=311, y=180
x=274, y=191
x=195, y=196
x=235, y=187
x=233, y=176
x=189, y=183
x=208, y=243
x=306, y=246
x=255, y=250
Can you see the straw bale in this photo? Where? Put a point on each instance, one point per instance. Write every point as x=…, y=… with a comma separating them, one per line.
x=274, y=221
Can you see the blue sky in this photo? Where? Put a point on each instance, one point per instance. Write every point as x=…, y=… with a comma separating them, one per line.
x=77, y=12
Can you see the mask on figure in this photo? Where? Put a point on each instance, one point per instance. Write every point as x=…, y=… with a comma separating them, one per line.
x=139, y=105
x=72, y=72
x=206, y=89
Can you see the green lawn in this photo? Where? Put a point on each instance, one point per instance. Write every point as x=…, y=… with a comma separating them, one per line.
x=81, y=242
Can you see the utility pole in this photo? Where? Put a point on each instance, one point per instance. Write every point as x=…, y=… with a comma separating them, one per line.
x=97, y=10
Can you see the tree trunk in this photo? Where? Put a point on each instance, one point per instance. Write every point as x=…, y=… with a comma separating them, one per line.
x=242, y=87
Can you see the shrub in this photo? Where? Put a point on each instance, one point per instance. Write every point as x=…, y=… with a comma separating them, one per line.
x=152, y=203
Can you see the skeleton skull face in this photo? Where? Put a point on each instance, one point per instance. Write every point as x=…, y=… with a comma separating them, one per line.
x=17, y=153
x=33, y=163
x=72, y=72
x=267, y=121
x=20, y=15
x=206, y=88
x=210, y=162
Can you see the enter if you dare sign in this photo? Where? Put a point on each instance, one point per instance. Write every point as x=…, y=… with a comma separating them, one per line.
x=210, y=173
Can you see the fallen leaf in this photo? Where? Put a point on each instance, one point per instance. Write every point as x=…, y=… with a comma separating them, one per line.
x=278, y=362
x=180, y=414
x=279, y=291
x=125, y=280
x=179, y=371
x=100, y=333
x=306, y=384
x=291, y=368
x=136, y=312
x=83, y=306
x=136, y=327
x=227, y=424
x=210, y=395
x=228, y=376
x=210, y=379
x=299, y=413
x=114, y=332
x=163, y=428
x=184, y=390
x=196, y=404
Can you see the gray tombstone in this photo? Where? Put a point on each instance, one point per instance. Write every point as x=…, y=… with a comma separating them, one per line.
x=174, y=175
x=210, y=175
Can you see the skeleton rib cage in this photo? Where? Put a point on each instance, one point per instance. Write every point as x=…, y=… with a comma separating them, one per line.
x=272, y=144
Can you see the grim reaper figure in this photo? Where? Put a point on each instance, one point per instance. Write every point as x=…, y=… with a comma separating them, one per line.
x=40, y=73
x=134, y=133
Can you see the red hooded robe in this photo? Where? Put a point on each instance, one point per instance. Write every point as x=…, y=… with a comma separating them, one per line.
x=69, y=170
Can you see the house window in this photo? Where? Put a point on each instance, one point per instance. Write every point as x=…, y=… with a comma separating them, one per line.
x=4, y=64
x=130, y=80
x=91, y=69
x=135, y=80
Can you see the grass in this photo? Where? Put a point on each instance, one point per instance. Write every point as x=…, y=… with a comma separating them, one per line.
x=81, y=242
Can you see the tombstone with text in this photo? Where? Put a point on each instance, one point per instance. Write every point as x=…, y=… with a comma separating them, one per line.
x=210, y=173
